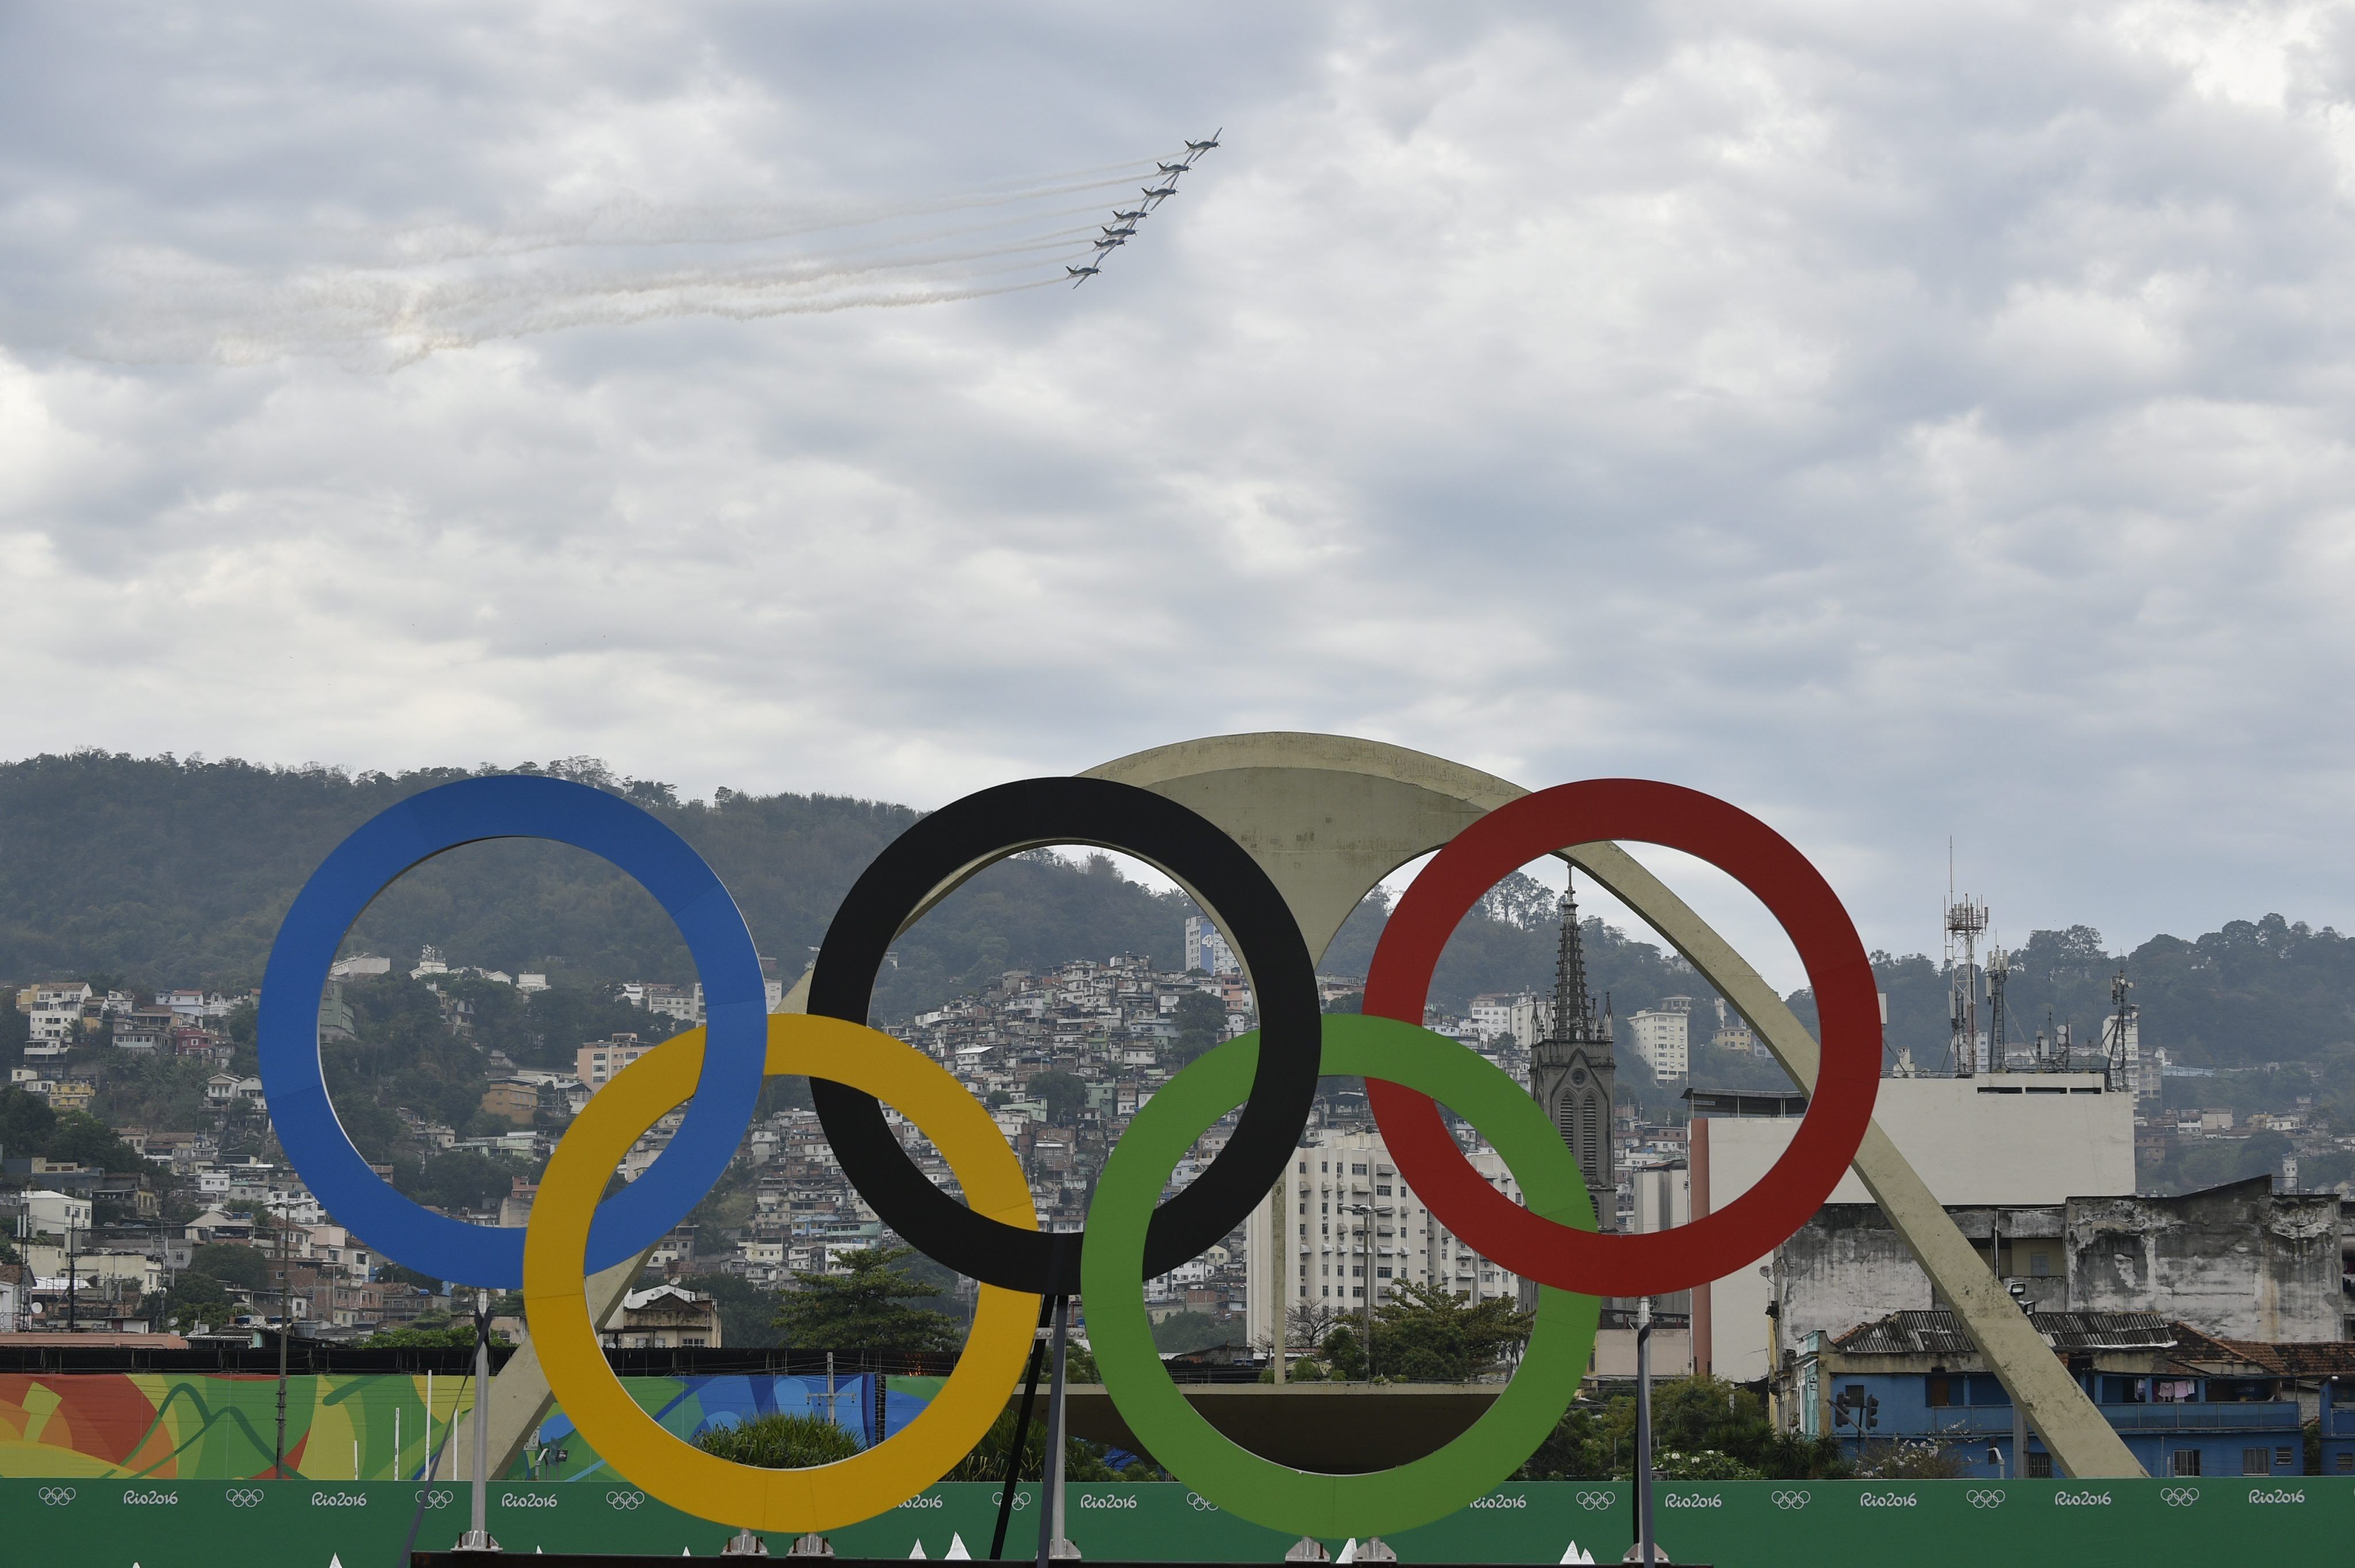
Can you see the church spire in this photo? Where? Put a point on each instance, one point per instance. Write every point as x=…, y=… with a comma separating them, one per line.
x=1573, y=1004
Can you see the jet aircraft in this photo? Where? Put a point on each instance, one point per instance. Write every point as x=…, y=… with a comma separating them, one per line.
x=1206, y=146
x=1081, y=274
x=1156, y=192
x=1109, y=241
x=1129, y=217
x=1126, y=231
x=1173, y=168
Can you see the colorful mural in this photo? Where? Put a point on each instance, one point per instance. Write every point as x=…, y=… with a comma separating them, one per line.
x=366, y=1427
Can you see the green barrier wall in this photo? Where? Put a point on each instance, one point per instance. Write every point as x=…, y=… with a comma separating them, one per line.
x=1737, y=1524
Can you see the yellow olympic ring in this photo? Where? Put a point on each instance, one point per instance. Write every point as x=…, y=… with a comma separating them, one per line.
x=792, y=1501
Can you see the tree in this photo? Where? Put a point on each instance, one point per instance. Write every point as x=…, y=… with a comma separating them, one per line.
x=1066, y=1095
x=1429, y=1334
x=1702, y=1428
x=1183, y=1331
x=748, y=1315
x=780, y=1441
x=1082, y=1460
x=864, y=1308
x=1344, y=1355
x=1201, y=1021
x=245, y=1267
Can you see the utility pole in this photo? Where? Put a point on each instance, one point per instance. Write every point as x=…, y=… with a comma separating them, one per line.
x=478, y=1537
x=1279, y=1237
x=1052, y=1542
x=1644, y=1551
x=1365, y=1213
x=286, y=1326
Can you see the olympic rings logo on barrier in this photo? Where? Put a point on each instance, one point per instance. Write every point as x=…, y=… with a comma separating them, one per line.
x=1792, y=1500
x=1985, y=1499
x=243, y=1496
x=2178, y=1496
x=715, y=1074
x=1199, y=1503
x=438, y=1498
x=56, y=1497
x=626, y=1501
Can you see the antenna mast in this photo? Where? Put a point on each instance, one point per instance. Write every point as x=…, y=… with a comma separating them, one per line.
x=1967, y=919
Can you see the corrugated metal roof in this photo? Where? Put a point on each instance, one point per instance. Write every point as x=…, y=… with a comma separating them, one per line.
x=1941, y=1333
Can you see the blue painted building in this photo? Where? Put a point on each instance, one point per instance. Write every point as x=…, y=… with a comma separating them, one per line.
x=2186, y=1404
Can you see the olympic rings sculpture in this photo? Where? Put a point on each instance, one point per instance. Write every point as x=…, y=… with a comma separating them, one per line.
x=716, y=1070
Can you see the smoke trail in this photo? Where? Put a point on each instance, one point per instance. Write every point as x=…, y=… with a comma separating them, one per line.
x=396, y=296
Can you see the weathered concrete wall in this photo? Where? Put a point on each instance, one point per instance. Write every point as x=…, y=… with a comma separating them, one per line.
x=1847, y=1265
x=2238, y=1261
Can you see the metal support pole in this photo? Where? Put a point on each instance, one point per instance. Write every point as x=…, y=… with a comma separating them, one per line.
x=1022, y=1428
x=1279, y=1242
x=1644, y=1551
x=285, y=1328
x=1052, y=1542
x=478, y=1537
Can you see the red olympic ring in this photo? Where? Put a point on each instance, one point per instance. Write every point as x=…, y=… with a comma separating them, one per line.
x=1839, y=1111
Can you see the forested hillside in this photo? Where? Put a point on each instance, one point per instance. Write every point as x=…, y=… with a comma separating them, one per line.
x=158, y=870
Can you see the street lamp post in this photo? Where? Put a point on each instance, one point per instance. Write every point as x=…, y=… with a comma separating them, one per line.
x=1365, y=1213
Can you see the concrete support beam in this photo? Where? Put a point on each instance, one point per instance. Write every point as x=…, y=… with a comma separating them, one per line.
x=521, y=1398
x=1329, y=817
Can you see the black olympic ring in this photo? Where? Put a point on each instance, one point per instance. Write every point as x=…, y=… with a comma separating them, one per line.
x=952, y=844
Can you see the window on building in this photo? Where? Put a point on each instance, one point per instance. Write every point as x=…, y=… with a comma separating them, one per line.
x=1303, y=1168
x=1356, y=1290
x=2256, y=1461
x=692, y=1339
x=1357, y=1271
x=2283, y=1458
x=2039, y=1466
x=1357, y=1170
x=2347, y=1463
x=1382, y=1272
x=1940, y=1391
x=2183, y=1462
x=2040, y=1265
x=1382, y=1190
x=1986, y=1388
x=1329, y=1290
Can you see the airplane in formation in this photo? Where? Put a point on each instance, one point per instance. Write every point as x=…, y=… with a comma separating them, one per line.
x=1123, y=226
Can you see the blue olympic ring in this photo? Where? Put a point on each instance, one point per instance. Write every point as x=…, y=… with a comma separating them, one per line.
x=466, y=812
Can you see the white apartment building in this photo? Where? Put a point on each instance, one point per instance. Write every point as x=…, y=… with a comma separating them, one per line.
x=1352, y=1232
x=1662, y=1036
x=1510, y=1014
x=1206, y=950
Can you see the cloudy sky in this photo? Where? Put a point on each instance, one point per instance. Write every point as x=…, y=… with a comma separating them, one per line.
x=1905, y=421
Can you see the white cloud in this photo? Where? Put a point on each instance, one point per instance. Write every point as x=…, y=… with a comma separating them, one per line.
x=1900, y=422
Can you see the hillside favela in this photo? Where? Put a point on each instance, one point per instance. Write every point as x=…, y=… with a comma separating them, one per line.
x=2151, y=1152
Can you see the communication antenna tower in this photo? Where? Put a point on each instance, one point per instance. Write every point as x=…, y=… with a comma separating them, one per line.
x=1998, y=976
x=1967, y=921
x=2113, y=1061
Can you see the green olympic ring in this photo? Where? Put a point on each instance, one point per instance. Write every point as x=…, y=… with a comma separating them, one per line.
x=1302, y=1502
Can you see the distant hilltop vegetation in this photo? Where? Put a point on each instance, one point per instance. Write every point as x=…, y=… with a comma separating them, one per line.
x=175, y=871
